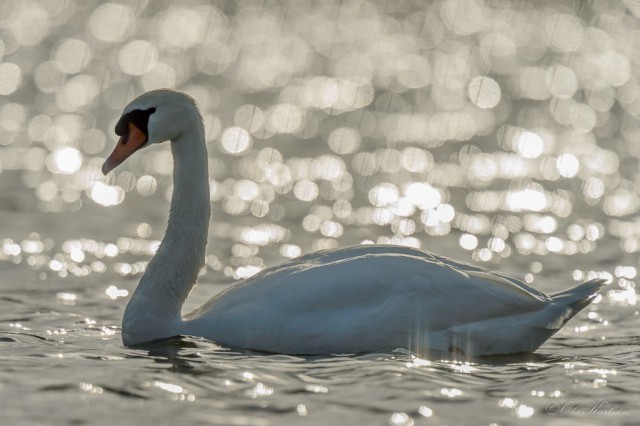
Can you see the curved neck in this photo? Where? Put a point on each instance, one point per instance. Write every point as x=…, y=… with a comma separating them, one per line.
x=155, y=307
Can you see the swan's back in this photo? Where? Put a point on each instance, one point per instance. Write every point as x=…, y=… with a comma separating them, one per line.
x=362, y=299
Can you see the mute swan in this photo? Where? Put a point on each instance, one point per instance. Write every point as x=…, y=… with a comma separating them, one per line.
x=349, y=300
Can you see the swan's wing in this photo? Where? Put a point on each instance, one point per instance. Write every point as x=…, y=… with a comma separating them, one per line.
x=328, y=256
x=505, y=282
x=491, y=275
x=365, y=294
x=358, y=303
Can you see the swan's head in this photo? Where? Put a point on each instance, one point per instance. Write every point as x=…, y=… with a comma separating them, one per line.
x=156, y=116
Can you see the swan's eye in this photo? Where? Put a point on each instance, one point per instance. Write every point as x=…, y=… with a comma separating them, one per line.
x=125, y=138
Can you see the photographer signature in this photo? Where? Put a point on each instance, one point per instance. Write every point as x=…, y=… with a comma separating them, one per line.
x=584, y=408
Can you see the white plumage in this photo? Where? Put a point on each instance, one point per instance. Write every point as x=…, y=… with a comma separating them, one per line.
x=349, y=300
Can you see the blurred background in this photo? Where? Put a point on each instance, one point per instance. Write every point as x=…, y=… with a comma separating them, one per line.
x=485, y=129
x=504, y=133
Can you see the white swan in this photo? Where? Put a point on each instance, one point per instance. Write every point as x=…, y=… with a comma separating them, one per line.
x=348, y=300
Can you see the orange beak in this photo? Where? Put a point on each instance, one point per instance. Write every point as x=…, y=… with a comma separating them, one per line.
x=127, y=145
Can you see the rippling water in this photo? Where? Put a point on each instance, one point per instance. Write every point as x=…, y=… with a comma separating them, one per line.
x=502, y=133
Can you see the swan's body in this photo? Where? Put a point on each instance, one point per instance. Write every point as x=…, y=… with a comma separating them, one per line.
x=349, y=300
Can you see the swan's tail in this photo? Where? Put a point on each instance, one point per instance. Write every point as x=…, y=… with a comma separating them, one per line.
x=526, y=331
x=577, y=298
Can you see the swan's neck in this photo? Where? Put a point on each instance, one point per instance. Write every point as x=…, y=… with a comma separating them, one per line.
x=154, y=310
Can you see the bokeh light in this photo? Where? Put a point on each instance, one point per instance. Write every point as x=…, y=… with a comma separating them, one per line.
x=509, y=128
x=484, y=92
x=10, y=78
x=112, y=22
